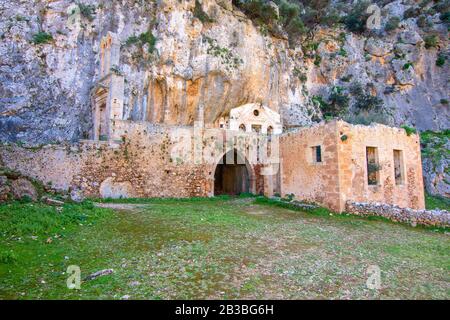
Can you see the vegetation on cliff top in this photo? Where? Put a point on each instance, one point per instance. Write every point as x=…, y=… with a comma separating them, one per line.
x=299, y=17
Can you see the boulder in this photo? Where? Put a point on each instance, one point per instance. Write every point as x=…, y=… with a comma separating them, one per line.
x=77, y=195
x=116, y=190
x=23, y=188
x=404, y=72
x=410, y=37
x=378, y=48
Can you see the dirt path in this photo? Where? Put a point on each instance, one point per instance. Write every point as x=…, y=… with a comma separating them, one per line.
x=121, y=206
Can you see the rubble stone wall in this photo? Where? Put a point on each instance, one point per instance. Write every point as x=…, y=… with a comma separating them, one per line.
x=439, y=218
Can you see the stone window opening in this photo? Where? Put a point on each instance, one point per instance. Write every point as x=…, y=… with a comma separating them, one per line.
x=373, y=167
x=256, y=113
x=102, y=124
x=317, y=154
x=399, y=167
x=256, y=128
x=242, y=128
x=269, y=141
x=101, y=119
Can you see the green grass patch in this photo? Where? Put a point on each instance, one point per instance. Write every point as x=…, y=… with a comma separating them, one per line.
x=219, y=248
x=19, y=219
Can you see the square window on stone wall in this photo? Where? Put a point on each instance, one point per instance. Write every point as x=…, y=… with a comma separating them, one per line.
x=399, y=167
x=317, y=154
x=373, y=168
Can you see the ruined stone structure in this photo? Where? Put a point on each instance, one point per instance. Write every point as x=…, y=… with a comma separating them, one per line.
x=245, y=150
x=337, y=162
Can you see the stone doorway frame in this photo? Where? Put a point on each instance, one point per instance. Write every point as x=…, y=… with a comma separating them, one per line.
x=250, y=171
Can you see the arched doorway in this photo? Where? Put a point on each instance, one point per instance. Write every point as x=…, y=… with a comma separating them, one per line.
x=233, y=175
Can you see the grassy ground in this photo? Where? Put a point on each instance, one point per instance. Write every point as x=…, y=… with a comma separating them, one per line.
x=219, y=248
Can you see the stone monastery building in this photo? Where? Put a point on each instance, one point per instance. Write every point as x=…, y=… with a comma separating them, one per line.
x=331, y=163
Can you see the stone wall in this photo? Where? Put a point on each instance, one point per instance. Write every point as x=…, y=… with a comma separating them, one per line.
x=134, y=167
x=439, y=218
x=143, y=163
x=301, y=175
x=352, y=143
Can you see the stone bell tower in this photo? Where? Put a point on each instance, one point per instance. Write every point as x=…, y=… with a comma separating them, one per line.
x=108, y=93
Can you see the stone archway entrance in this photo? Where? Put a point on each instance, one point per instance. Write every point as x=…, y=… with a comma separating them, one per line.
x=233, y=175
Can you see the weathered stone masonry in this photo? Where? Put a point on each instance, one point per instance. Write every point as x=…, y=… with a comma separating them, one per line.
x=141, y=164
x=342, y=173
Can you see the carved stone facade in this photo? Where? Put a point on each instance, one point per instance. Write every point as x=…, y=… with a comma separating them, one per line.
x=107, y=96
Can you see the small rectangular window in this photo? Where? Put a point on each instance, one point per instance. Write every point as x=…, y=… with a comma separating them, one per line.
x=398, y=167
x=256, y=128
x=373, y=168
x=317, y=154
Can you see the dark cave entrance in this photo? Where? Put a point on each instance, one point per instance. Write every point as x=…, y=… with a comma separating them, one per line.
x=232, y=177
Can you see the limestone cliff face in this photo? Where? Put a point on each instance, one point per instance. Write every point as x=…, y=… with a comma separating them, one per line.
x=214, y=62
x=45, y=88
x=217, y=64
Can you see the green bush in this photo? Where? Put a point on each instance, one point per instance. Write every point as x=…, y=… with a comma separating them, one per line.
x=392, y=24
x=431, y=41
x=87, y=11
x=200, y=14
x=132, y=40
x=296, y=18
x=339, y=102
x=407, y=65
x=434, y=145
x=258, y=10
x=317, y=60
x=318, y=100
x=142, y=39
x=365, y=101
x=42, y=38
x=445, y=17
x=412, y=12
x=367, y=118
x=337, y=105
x=148, y=38
x=409, y=130
x=424, y=23
x=440, y=61
x=291, y=21
x=356, y=19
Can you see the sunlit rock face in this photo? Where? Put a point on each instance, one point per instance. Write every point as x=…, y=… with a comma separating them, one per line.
x=220, y=65
x=217, y=64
